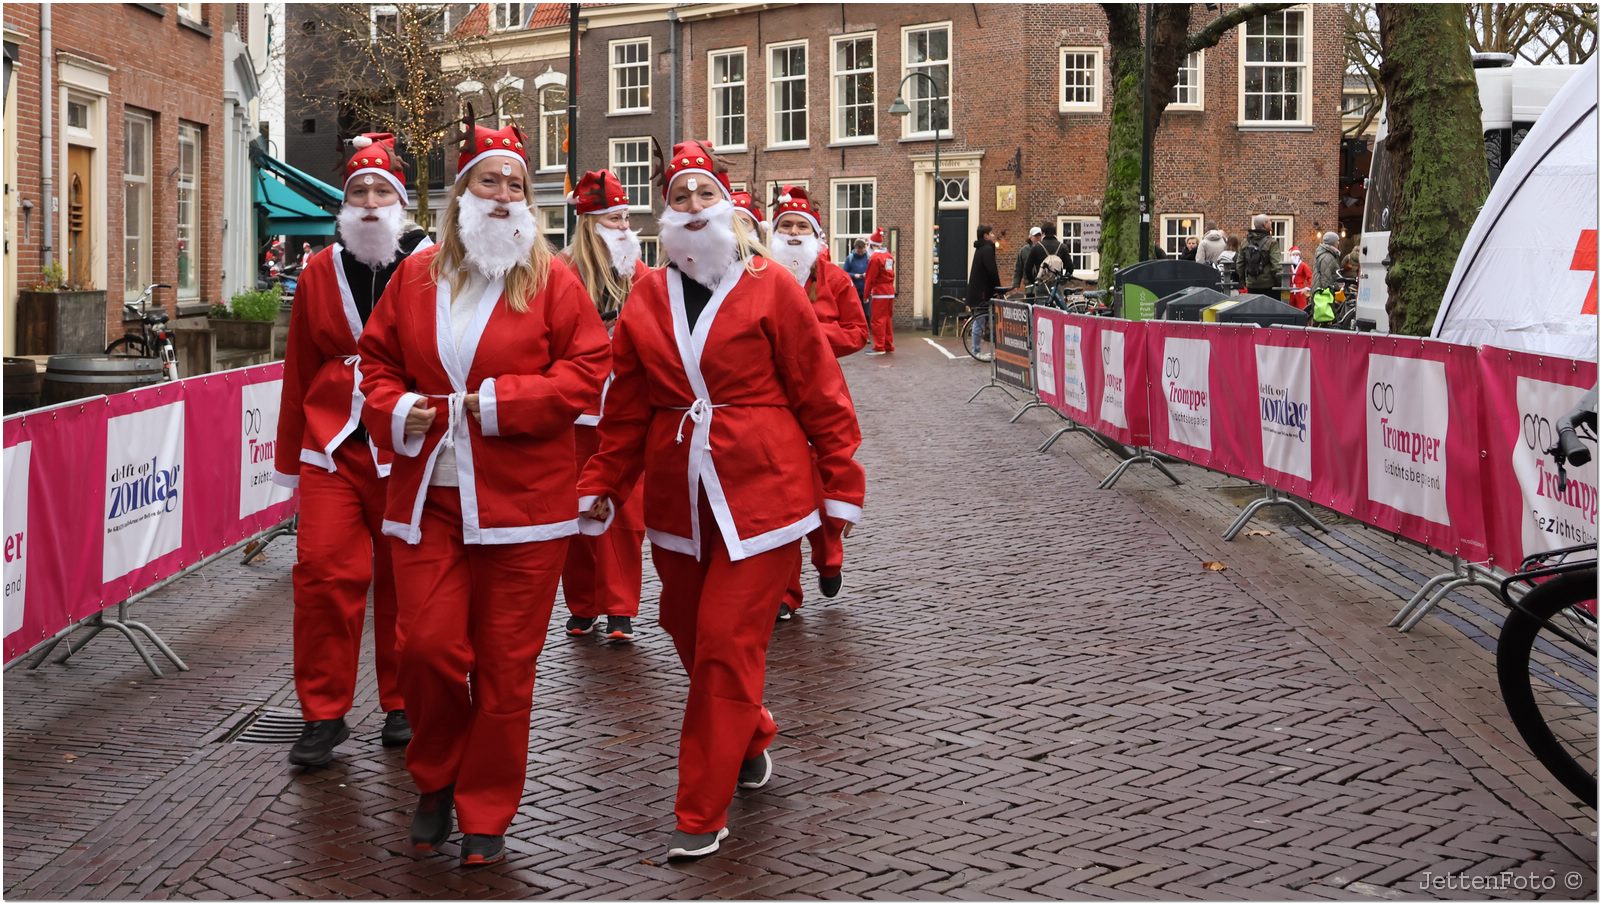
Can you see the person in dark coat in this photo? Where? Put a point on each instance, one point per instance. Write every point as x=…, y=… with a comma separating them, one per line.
x=983, y=281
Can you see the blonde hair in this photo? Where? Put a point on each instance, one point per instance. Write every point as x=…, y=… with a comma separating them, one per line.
x=749, y=245
x=524, y=281
x=589, y=255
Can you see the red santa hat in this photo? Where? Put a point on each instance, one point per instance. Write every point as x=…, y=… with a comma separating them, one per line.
x=1294, y=249
x=875, y=240
x=744, y=203
x=598, y=193
x=692, y=158
x=794, y=201
x=372, y=154
x=482, y=143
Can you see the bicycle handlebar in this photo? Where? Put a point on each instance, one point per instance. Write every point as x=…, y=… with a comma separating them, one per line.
x=1568, y=444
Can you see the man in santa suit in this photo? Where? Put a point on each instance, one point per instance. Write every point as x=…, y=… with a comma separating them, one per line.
x=323, y=448
x=797, y=243
x=482, y=355
x=729, y=399
x=880, y=288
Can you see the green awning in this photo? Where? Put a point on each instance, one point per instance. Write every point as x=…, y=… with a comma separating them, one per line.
x=287, y=212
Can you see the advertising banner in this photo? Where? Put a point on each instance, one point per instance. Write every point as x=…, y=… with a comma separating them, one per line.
x=1119, y=385
x=1201, y=406
x=145, y=487
x=1046, y=357
x=1013, y=346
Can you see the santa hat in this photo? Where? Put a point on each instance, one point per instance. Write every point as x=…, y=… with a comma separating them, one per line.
x=372, y=154
x=794, y=201
x=875, y=240
x=482, y=143
x=744, y=203
x=598, y=193
x=1295, y=249
x=694, y=157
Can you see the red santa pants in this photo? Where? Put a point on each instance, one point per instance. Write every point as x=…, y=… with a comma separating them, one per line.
x=827, y=556
x=472, y=621
x=719, y=614
x=882, y=324
x=604, y=573
x=341, y=550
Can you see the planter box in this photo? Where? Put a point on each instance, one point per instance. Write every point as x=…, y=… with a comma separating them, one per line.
x=61, y=322
x=243, y=333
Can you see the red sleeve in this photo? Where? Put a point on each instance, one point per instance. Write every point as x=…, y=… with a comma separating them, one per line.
x=839, y=310
x=544, y=404
x=385, y=380
x=613, y=470
x=301, y=362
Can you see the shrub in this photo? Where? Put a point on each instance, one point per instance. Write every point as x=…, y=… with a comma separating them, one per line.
x=261, y=304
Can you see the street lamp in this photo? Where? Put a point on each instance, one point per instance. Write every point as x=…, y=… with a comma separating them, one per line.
x=901, y=108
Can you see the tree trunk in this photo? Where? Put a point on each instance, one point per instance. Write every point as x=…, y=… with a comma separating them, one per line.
x=1436, y=148
x=1119, y=211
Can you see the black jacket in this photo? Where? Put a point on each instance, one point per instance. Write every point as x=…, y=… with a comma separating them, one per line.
x=984, y=278
x=367, y=282
x=1046, y=246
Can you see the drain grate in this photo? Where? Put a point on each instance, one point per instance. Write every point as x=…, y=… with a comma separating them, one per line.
x=270, y=725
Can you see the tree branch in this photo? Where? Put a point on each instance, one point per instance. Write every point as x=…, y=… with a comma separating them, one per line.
x=1212, y=33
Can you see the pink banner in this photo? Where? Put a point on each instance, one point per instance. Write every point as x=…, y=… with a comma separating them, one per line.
x=1098, y=373
x=1527, y=512
x=1201, y=407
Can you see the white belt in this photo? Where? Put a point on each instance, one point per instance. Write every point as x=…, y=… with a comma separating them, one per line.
x=455, y=411
x=699, y=412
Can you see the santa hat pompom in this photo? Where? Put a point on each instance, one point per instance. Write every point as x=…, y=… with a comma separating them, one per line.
x=360, y=141
x=572, y=198
x=784, y=198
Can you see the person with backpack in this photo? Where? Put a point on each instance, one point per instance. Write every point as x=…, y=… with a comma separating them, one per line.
x=1325, y=279
x=1259, y=258
x=1047, y=247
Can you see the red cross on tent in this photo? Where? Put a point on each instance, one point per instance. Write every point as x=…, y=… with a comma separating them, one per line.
x=1584, y=259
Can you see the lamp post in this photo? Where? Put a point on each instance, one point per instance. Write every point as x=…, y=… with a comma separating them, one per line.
x=900, y=108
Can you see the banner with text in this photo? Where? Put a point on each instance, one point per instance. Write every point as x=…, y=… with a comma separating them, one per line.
x=1013, y=345
x=1096, y=372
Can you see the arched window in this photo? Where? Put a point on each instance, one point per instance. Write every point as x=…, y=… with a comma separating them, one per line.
x=552, y=127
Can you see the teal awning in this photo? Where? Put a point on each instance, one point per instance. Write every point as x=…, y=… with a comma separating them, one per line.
x=300, y=204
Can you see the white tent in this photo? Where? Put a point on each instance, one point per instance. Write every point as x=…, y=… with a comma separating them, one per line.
x=1526, y=275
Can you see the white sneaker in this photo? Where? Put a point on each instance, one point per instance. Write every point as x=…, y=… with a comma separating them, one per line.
x=685, y=846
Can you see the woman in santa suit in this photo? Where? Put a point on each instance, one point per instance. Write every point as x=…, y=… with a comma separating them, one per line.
x=326, y=453
x=723, y=377
x=603, y=574
x=482, y=355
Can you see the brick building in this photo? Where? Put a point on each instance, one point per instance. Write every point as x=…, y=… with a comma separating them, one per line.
x=137, y=166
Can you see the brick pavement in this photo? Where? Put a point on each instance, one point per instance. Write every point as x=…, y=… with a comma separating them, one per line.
x=1030, y=689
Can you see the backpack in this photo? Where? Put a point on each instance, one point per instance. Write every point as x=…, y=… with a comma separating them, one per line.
x=1052, y=265
x=1322, y=306
x=1254, y=258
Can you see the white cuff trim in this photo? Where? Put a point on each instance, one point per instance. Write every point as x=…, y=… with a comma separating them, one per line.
x=397, y=426
x=842, y=510
x=488, y=408
x=588, y=527
x=286, y=480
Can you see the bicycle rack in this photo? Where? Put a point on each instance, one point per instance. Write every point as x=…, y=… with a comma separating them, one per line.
x=1267, y=501
x=1461, y=573
x=1140, y=456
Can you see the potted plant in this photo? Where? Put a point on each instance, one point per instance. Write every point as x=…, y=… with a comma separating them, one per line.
x=55, y=316
x=246, y=321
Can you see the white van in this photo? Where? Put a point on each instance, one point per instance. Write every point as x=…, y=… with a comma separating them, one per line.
x=1512, y=97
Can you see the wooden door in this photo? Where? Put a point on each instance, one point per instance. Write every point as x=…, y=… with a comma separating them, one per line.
x=80, y=216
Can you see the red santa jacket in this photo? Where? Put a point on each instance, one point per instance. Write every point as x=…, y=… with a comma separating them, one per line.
x=534, y=372
x=591, y=417
x=844, y=322
x=731, y=406
x=880, y=275
x=321, y=400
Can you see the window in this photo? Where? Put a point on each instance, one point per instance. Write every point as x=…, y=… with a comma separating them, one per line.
x=385, y=22
x=630, y=161
x=1282, y=228
x=1080, y=80
x=739, y=186
x=77, y=114
x=726, y=77
x=1177, y=227
x=630, y=76
x=189, y=162
x=509, y=100
x=786, y=95
x=1080, y=241
x=650, y=250
x=507, y=16
x=1274, y=83
x=855, y=113
x=190, y=11
x=552, y=127
x=136, y=132
x=1189, y=92
x=927, y=50
x=553, y=225
x=855, y=213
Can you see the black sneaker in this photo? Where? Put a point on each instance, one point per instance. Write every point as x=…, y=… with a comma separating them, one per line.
x=580, y=626
x=830, y=585
x=755, y=773
x=619, y=628
x=430, y=821
x=396, y=728
x=316, y=743
x=683, y=846
x=482, y=849
x=785, y=612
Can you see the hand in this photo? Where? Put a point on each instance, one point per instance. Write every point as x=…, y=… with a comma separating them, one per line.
x=472, y=406
x=847, y=528
x=599, y=510
x=419, y=419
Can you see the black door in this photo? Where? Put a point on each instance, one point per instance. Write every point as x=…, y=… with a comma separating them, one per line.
x=954, y=254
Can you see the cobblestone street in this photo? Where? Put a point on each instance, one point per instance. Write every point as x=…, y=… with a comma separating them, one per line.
x=1028, y=689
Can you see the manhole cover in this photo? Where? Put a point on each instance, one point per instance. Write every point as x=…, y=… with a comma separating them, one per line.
x=270, y=725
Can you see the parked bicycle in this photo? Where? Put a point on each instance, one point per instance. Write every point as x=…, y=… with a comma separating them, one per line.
x=1545, y=659
x=152, y=338
x=977, y=334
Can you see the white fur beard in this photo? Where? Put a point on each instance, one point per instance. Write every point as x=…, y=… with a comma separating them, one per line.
x=623, y=244
x=704, y=255
x=495, y=247
x=374, y=244
x=798, y=259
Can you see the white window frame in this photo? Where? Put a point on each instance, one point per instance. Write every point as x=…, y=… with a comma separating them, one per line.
x=495, y=9
x=1093, y=259
x=548, y=154
x=374, y=12
x=1305, y=75
x=770, y=200
x=616, y=168
x=192, y=12
x=835, y=77
x=1282, y=228
x=774, y=86
x=553, y=225
x=142, y=236
x=650, y=250
x=1199, y=69
x=1198, y=229
x=715, y=95
x=507, y=83
x=908, y=121
x=1076, y=106
x=195, y=245
x=841, y=239
x=738, y=186
x=613, y=70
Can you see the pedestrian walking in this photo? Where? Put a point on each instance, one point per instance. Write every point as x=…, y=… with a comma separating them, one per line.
x=1260, y=260
x=325, y=452
x=1020, y=272
x=603, y=575
x=1048, y=246
x=983, y=280
x=482, y=355
x=1299, y=280
x=1227, y=261
x=881, y=290
x=723, y=377
x=1211, y=246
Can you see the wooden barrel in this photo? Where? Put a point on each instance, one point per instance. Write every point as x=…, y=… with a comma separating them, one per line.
x=71, y=376
x=21, y=385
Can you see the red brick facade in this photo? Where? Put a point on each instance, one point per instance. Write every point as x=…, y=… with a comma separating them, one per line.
x=155, y=62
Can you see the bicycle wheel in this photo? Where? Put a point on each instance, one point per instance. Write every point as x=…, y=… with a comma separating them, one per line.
x=129, y=346
x=1548, y=681
x=978, y=338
